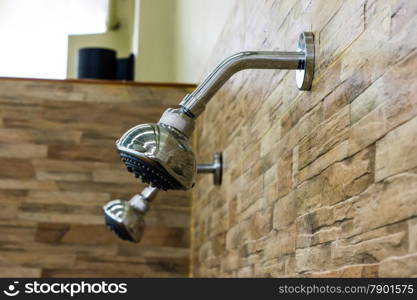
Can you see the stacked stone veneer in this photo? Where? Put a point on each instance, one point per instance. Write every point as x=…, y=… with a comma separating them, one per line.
x=58, y=166
x=319, y=183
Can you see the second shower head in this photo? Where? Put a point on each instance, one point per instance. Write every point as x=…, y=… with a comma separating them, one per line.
x=126, y=218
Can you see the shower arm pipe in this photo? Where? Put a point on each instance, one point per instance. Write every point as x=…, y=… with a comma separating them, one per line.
x=141, y=201
x=198, y=99
x=149, y=193
x=301, y=60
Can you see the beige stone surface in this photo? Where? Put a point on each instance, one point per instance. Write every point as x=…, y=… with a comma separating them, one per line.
x=319, y=183
x=396, y=152
x=58, y=167
x=403, y=266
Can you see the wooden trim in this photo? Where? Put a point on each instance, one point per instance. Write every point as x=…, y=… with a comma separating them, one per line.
x=108, y=82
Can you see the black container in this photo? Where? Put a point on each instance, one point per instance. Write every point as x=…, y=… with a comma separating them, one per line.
x=97, y=63
x=126, y=68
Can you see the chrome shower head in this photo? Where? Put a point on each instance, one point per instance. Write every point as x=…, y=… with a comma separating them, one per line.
x=126, y=218
x=160, y=153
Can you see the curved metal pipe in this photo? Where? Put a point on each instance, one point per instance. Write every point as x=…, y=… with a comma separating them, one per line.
x=303, y=60
x=197, y=100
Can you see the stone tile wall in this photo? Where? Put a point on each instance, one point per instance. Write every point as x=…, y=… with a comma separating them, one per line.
x=318, y=183
x=58, y=166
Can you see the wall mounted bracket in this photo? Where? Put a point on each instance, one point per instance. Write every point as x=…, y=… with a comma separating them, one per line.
x=304, y=75
x=215, y=168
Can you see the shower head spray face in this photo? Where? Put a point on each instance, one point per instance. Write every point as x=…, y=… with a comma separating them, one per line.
x=158, y=154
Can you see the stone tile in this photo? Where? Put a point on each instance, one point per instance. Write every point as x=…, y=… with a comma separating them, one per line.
x=36, y=260
x=63, y=175
x=412, y=235
x=237, y=233
x=23, y=151
x=397, y=109
x=349, y=177
x=368, y=252
x=18, y=272
x=280, y=244
x=395, y=151
x=16, y=168
x=83, y=152
x=313, y=259
x=27, y=184
x=262, y=223
x=363, y=270
x=44, y=136
x=403, y=266
x=338, y=153
x=385, y=203
x=113, y=175
x=335, y=36
x=285, y=211
x=325, y=137
x=284, y=174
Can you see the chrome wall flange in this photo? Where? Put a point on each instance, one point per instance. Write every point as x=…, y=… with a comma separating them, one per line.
x=215, y=168
x=304, y=75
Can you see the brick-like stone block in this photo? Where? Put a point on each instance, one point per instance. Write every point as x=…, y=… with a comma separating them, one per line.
x=330, y=133
x=349, y=177
x=398, y=107
x=395, y=152
x=403, y=266
x=412, y=235
x=23, y=150
x=58, y=167
x=285, y=211
x=384, y=203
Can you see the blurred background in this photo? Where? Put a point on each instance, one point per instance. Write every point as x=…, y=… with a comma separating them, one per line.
x=149, y=39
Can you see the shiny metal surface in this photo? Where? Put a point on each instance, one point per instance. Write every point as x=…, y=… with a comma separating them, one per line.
x=178, y=119
x=215, y=168
x=303, y=59
x=126, y=218
x=304, y=75
x=165, y=146
x=141, y=202
x=162, y=145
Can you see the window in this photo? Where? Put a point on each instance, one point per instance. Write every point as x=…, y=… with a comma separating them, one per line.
x=34, y=34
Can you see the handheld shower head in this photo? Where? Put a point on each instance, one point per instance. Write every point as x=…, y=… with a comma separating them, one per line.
x=126, y=218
